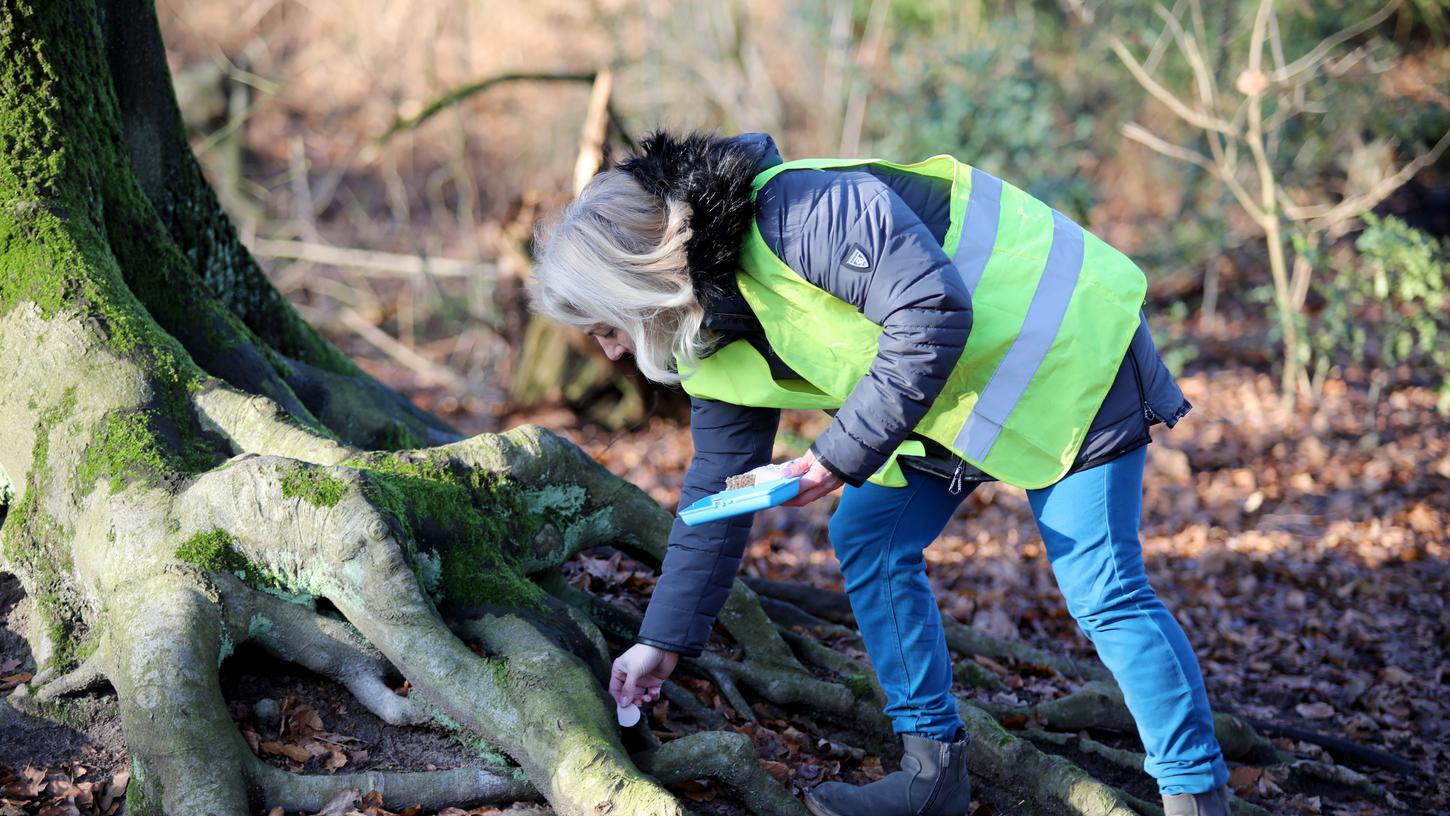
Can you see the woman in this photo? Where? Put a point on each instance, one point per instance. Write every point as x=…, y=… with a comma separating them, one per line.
x=960, y=331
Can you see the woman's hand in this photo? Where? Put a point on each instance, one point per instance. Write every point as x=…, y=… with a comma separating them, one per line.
x=817, y=481
x=639, y=673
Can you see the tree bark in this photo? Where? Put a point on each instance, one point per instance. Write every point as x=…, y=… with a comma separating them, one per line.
x=186, y=465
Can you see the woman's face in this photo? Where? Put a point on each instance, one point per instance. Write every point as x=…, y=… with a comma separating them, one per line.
x=614, y=342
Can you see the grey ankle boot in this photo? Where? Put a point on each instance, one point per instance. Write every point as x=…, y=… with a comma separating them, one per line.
x=1213, y=803
x=932, y=782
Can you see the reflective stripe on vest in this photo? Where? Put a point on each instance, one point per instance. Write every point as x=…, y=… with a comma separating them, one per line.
x=1039, y=329
x=979, y=230
x=1054, y=309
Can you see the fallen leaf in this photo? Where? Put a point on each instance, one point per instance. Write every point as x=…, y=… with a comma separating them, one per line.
x=1396, y=676
x=1242, y=778
x=116, y=790
x=693, y=789
x=295, y=753
x=1315, y=711
x=779, y=770
x=340, y=803
x=304, y=721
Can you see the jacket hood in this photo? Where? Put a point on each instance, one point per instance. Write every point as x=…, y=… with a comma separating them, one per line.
x=713, y=175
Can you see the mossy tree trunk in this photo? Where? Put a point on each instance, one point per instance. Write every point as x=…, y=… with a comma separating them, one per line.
x=186, y=465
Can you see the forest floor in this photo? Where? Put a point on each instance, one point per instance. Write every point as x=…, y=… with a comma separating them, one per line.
x=1306, y=556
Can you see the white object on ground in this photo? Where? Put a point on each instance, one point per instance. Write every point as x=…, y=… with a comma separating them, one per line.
x=628, y=715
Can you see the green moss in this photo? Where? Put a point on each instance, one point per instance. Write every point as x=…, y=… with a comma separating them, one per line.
x=461, y=530
x=397, y=436
x=215, y=550
x=143, y=795
x=61, y=167
x=276, y=362
x=79, y=712
x=212, y=550
x=859, y=685
x=88, y=647
x=55, y=618
x=974, y=675
x=35, y=544
x=314, y=486
x=125, y=443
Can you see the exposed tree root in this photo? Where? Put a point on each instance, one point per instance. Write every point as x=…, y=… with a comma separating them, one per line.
x=1100, y=705
x=187, y=757
x=88, y=676
x=458, y=787
x=1048, y=780
x=1342, y=748
x=258, y=425
x=691, y=706
x=728, y=758
x=331, y=648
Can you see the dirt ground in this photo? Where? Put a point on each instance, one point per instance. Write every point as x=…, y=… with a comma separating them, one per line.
x=1306, y=559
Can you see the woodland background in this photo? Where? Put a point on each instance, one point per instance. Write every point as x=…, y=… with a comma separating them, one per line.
x=1295, y=524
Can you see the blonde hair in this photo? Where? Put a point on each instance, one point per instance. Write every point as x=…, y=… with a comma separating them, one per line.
x=616, y=256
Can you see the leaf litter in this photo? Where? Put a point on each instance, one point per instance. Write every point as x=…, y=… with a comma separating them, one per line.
x=1305, y=557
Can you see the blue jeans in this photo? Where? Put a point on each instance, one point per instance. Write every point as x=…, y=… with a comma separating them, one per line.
x=1089, y=522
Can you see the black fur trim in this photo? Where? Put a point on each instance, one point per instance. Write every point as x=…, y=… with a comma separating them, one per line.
x=713, y=175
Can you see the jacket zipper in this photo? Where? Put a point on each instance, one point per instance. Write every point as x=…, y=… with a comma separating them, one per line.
x=1148, y=415
x=955, y=486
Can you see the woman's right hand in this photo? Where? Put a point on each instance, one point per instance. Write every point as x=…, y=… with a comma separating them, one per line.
x=639, y=673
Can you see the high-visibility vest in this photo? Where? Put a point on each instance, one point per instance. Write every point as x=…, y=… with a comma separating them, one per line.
x=1053, y=311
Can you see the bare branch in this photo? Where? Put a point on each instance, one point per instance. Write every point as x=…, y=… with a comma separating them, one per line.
x=1318, y=52
x=1188, y=45
x=1256, y=39
x=461, y=93
x=595, y=131
x=387, y=262
x=1147, y=138
x=1198, y=118
x=1160, y=42
x=1328, y=217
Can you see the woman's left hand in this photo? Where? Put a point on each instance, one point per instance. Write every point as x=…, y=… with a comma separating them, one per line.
x=817, y=481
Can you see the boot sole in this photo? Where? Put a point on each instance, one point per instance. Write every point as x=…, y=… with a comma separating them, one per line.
x=818, y=809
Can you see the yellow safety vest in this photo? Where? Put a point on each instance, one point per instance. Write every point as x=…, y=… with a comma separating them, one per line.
x=1053, y=311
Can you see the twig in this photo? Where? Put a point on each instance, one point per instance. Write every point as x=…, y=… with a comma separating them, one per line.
x=386, y=343
x=1340, y=747
x=1147, y=138
x=1198, y=118
x=1326, y=216
x=388, y=262
x=1316, y=54
x=595, y=131
x=461, y=93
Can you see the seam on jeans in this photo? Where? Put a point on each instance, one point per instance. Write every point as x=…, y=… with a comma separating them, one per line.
x=1137, y=606
x=891, y=595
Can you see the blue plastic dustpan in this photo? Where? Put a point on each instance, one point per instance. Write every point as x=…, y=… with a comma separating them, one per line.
x=741, y=500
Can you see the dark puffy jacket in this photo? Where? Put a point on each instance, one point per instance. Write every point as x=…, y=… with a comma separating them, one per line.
x=815, y=221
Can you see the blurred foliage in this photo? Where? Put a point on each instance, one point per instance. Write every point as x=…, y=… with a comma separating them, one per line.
x=1386, y=311
x=991, y=101
x=1026, y=89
